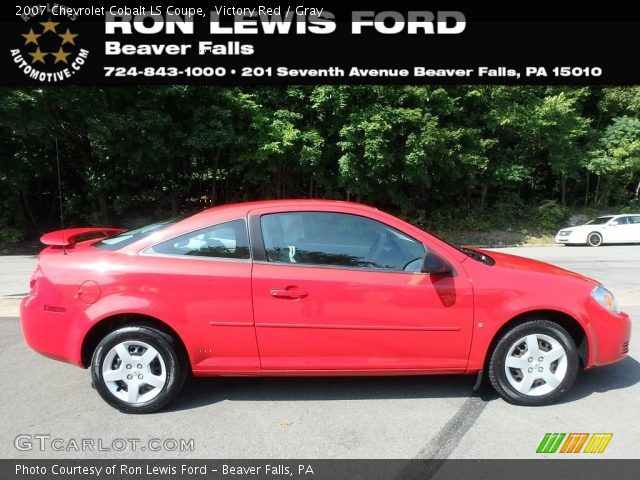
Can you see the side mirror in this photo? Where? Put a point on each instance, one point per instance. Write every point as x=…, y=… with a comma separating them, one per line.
x=435, y=265
x=613, y=223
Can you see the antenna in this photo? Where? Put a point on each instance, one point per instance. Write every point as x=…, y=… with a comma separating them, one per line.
x=64, y=248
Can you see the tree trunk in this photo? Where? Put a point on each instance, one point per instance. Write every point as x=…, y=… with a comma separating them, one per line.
x=173, y=196
x=55, y=207
x=586, y=191
x=104, y=210
x=604, y=193
x=278, y=192
x=27, y=208
x=214, y=180
x=595, y=197
x=94, y=207
x=563, y=189
x=483, y=195
x=174, y=202
x=638, y=188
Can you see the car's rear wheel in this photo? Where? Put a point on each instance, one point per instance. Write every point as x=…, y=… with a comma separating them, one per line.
x=594, y=239
x=534, y=363
x=137, y=369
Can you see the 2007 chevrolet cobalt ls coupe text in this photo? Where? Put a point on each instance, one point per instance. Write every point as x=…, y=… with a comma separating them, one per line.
x=309, y=287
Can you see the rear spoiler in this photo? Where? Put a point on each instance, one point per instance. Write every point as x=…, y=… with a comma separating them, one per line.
x=69, y=236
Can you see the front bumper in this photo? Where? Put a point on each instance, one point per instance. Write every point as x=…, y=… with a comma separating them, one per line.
x=572, y=238
x=610, y=335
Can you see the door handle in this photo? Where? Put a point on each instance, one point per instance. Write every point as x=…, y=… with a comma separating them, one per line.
x=289, y=294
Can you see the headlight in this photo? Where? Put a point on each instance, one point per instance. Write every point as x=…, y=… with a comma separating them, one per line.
x=605, y=298
x=564, y=233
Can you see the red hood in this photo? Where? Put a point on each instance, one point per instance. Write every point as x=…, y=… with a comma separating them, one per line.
x=506, y=260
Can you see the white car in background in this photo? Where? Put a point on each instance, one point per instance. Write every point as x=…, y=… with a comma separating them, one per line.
x=601, y=230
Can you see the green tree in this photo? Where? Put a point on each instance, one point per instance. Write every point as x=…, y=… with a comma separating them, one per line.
x=617, y=158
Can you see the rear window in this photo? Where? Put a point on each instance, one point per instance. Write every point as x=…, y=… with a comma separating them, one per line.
x=225, y=240
x=131, y=236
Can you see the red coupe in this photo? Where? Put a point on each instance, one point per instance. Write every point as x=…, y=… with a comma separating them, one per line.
x=309, y=287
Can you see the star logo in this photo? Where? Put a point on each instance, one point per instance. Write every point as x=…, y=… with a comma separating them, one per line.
x=49, y=26
x=48, y=50
x=61, y=56
x=38, y=56
x=68, y=37
x=31, y=37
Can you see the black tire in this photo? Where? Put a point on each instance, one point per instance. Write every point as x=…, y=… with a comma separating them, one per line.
x=174, y=367
x=498, y=374
x=594, y=239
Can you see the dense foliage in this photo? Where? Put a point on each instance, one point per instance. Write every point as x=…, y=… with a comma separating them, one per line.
x=429, y=153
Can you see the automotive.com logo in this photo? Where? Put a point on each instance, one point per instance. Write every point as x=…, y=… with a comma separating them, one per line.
x=574, y=442
x=47, y=48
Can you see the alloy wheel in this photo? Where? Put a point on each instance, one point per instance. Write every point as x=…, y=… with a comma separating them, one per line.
x=594, y=239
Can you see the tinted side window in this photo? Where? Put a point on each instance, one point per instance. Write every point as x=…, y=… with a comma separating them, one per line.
x=623, y=220
x=336, y=239
x=226, y=240
x=635, y=219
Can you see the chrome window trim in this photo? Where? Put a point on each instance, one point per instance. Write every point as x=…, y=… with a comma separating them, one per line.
x=337, y=267
x=194, y=257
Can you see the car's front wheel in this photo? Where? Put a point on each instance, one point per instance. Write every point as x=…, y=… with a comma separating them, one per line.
x=594, y=239
x=534, y=363
x=137, y=369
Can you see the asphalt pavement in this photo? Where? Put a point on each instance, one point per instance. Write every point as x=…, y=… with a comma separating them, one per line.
x=14, y=275
x=386, y=417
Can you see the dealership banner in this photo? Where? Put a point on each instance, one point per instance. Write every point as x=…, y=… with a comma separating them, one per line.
x=231, y=43
x=319, y=469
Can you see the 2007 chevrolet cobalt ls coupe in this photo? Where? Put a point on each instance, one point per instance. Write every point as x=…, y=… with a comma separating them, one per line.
x=309, y=287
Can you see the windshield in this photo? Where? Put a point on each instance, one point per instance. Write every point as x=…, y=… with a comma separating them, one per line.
x=130, y=236
x=598, y=221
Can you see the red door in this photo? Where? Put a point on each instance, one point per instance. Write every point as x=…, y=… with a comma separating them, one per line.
x=332, y=294
x=202, y=281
